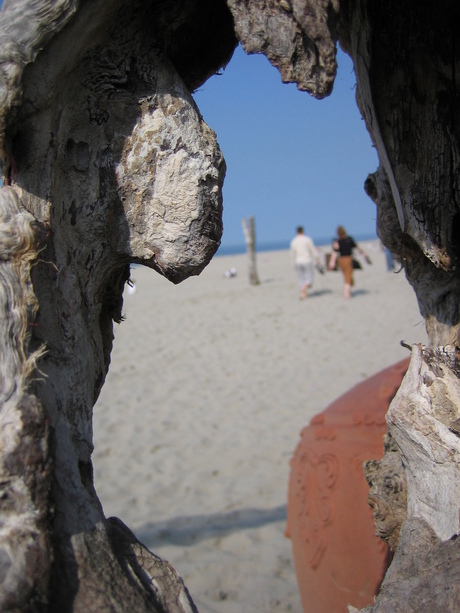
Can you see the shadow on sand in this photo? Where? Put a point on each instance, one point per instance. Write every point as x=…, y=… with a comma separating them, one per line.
x=318, y=292
x=359, y=292
x=189, y=529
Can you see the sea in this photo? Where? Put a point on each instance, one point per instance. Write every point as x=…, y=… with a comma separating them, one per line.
x=283, y=245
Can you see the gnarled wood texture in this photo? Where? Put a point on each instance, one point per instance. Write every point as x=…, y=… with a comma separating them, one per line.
x=107, y=156
x=297, y=36
x=107, y=162
x=25, y=462
x=406, y=60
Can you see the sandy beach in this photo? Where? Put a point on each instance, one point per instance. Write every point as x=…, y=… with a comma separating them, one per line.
x=210, y=384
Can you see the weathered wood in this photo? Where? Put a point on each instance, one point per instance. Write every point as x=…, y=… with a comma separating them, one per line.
x=406, y=91
x=423, y=576
x=25, y=461
x=249, y=231
x=387, y=492
x=108, y=162
x=297, y=36
x=406, y=60
x=109, y=159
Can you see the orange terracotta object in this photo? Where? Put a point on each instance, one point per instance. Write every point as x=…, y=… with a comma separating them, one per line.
x=338, y=558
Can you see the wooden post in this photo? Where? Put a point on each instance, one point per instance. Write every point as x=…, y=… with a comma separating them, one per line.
x=250, y=239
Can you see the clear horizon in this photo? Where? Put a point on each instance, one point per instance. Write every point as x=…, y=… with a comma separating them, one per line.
x=280, y=245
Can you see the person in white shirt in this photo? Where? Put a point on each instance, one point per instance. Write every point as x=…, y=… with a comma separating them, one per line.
x=304, y=256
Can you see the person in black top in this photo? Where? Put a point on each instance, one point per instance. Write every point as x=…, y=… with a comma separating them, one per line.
x=343, y=247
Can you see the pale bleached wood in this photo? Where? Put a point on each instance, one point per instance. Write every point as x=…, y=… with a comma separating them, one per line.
x=249, y=231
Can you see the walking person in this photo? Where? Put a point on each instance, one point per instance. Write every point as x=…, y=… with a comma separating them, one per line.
x=343, y=247
x=304, y=255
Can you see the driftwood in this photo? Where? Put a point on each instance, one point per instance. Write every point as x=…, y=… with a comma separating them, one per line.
x=249, y=231
x=106, y=162
x=387, y=492
x=406, y=73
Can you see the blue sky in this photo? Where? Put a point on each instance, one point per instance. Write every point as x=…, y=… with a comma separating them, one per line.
x=291, y=160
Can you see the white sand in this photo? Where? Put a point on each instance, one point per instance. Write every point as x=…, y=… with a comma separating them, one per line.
x=210, y=384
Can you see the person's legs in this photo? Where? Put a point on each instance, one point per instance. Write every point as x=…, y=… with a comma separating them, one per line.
x=346, y=265
x=305, y=276
x=302, y=282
